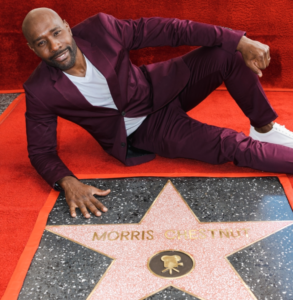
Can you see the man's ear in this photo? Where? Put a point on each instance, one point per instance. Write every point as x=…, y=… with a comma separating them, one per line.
x=31, y=47
x=67, y=26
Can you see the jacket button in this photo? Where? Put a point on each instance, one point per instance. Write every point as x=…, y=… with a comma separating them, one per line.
x=123, y=144
x=123, y=113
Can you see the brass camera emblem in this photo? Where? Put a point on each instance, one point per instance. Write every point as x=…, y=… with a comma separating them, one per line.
x=171, y=264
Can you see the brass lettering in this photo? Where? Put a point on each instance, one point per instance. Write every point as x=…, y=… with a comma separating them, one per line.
x=179, y=234
x=224, y=232
x=168, y=237
x=103, y=236
x=150, y=233
x=212, y=232
x=124, y=234
x=115, y=238
x=246, y=231
x=134, y=234
x=203, y=235
x=191, y=233
x=232, y=233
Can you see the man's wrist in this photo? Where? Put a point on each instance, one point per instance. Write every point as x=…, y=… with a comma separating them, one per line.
x=65, y=181
x=241, y=42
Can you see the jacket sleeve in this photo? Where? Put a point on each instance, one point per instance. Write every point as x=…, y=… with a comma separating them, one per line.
x=157, y=31
x=42, y=141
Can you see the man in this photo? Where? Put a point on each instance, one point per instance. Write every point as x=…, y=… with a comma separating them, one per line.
x=133, y=112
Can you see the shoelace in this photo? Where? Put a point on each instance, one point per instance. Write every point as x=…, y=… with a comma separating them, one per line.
x=283, y=129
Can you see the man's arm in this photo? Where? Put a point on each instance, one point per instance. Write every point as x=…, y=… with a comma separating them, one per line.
x=156, y=31
x=42, y=142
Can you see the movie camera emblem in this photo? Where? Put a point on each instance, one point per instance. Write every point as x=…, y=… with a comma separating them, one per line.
x=171, y=264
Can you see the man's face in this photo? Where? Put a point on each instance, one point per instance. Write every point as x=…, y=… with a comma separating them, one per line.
x=51, y=39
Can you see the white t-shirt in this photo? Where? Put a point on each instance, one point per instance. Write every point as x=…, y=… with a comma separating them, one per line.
x=95, y=89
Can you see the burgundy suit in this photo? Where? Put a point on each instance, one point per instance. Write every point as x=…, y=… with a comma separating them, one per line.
x=106, y=42
x=155, y=90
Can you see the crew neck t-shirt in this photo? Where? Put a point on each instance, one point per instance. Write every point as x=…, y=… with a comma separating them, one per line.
x=95, y=89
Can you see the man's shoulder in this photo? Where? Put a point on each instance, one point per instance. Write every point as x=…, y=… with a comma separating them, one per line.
x=40, y=74
x=94, y=23
x=39, y=83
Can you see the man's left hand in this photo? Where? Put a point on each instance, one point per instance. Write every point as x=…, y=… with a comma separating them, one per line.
x=255, y=54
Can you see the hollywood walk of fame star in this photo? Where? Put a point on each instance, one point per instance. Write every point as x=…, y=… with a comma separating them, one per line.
x=169, y=224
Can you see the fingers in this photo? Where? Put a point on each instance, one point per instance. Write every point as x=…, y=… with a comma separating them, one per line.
x=253, y=66
x=256, y=56
x=260, y=63
x=82, y=208
x=84, y=211
x=264, y=58
x=101, y=192
x=81, y=196
x=93, y=206
x=263, y=61
x=268, y=56
x=99, y=204
x=72, y=211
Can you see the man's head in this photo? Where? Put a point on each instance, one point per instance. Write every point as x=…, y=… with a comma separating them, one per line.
x=50, y=38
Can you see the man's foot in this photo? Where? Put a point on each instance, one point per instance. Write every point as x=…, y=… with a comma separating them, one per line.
x=278, y=134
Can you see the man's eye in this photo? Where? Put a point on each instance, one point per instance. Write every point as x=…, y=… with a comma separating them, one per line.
x=57, y=32
x=41, y=43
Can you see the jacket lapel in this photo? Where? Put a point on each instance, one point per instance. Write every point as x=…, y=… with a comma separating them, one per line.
x=71, y=93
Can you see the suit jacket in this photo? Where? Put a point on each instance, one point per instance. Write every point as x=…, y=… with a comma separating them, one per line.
x=136, y=91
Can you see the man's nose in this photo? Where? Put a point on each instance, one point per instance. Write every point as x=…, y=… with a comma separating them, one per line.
x=55, y=45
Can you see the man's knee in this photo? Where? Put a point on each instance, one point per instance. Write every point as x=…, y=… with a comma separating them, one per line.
x=206, y=52
x=206, y=61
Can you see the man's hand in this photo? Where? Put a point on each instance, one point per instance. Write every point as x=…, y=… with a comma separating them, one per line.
x=255, y=54
x=80, y=195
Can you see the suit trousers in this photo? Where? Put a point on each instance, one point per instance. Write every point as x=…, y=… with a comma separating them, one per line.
x=170, y=132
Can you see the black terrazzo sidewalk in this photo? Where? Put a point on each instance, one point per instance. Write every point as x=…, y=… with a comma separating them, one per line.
x=5, y=100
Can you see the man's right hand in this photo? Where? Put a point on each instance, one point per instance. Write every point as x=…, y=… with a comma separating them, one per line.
x=256, y=55
x=79, y=195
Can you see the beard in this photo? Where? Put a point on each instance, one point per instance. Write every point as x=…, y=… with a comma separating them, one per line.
x=72, y=50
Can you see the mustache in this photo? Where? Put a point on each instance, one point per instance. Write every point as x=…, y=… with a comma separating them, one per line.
x=59, y=52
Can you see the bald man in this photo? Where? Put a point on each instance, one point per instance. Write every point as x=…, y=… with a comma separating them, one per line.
x=134, y=112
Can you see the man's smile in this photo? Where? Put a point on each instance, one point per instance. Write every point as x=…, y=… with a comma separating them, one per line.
x=62, y=56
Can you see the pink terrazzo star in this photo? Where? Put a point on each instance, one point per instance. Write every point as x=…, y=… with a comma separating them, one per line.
x=170, y=224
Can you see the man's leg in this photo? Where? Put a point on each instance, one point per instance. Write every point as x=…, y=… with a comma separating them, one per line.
x=171, y=133
x=209, y=67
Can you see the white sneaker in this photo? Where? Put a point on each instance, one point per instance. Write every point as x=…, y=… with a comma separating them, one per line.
x=277, y=135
